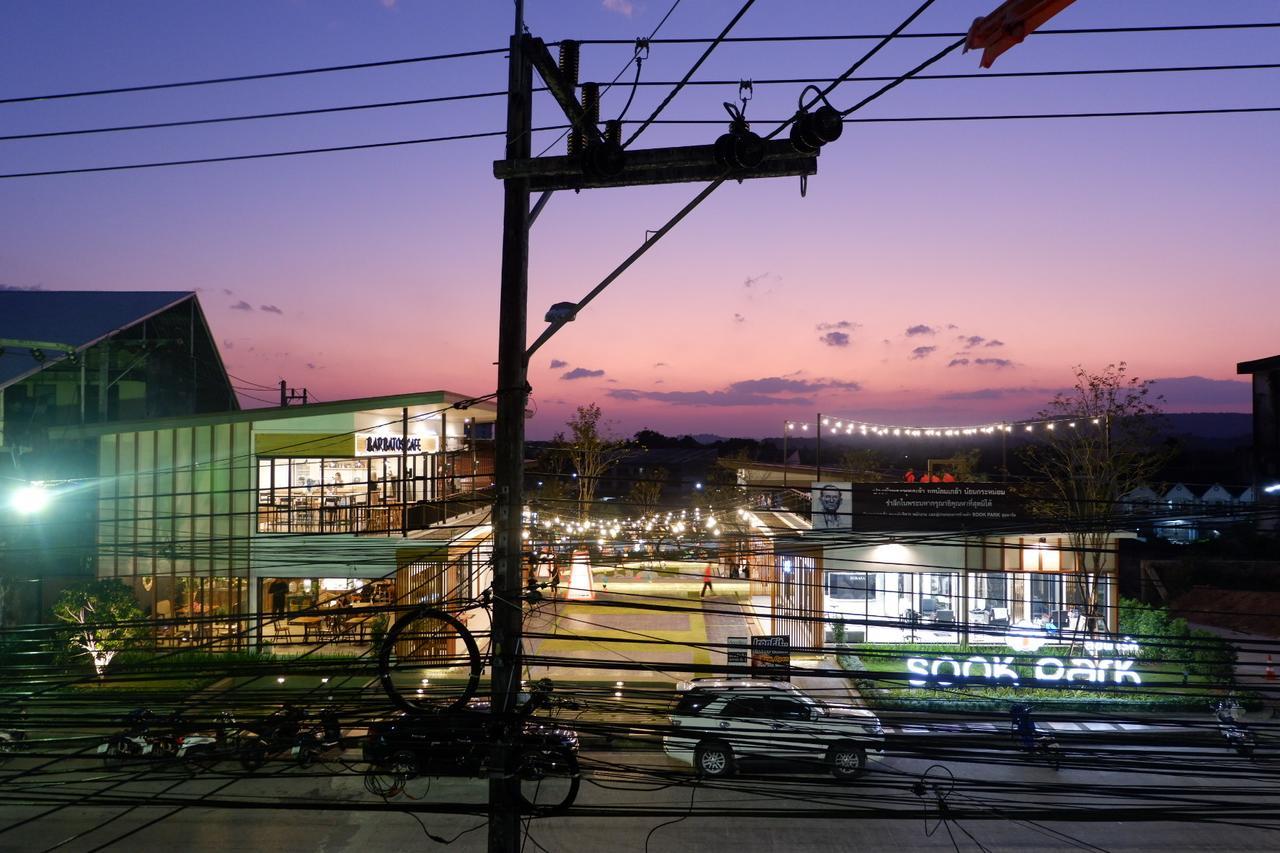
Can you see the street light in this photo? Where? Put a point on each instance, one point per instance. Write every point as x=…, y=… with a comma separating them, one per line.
x=30, y=499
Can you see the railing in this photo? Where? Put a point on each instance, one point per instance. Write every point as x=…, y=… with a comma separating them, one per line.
x=378, y=519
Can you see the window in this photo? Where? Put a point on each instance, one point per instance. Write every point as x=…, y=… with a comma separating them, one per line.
x=1046, y=596
x=786, y=709
x=746, y=706
x=694, y=701
x=851, y=586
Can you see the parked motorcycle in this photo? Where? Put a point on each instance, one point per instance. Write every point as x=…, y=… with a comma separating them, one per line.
x=460, y=743
x=1022, y=728
x=202, y=749
x=1235, y=731
x=138, y=740
x=277, y=733
x=318, y=738
x=11, y=738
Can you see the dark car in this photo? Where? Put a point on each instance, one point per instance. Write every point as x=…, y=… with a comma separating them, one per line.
x=460, y=743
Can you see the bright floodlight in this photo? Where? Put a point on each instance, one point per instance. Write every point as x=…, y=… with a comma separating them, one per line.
x=30, y=499
x=1271, y=489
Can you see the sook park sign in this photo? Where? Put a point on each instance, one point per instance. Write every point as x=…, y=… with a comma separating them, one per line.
x=1108, y=662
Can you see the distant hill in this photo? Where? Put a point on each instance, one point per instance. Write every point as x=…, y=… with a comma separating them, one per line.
x=1217, y=426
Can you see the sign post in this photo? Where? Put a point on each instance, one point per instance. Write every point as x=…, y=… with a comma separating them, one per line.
x=771, y=656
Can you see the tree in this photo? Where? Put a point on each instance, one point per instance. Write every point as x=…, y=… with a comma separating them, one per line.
x=105, y=619
x=1112, y=449
x=591, y=451
x=646, y=491
x=862, y=465
x=963, y=464
x=552, y=494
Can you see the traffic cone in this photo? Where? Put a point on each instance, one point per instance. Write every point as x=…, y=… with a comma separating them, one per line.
x=1270, y=674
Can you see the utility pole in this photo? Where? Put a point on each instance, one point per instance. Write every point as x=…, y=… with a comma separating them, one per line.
x=504, y=673
x=291, y=395
x=595, y=160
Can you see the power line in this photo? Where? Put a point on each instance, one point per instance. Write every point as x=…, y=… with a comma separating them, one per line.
x=688, y=74
x=253, y=116
x=984, y=75
x=635, y=84
x=270, y=75
x=869, y=37
x=496, y=51
x=262, y=156
x=1013, y=116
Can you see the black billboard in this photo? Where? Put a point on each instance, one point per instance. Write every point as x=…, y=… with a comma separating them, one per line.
x=915, y=506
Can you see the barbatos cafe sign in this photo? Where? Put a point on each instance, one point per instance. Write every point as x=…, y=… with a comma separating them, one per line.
x=1108, y=662
x=389, y=444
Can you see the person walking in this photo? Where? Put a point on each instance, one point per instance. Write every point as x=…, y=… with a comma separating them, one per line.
x=279, y=592
x=706, y=582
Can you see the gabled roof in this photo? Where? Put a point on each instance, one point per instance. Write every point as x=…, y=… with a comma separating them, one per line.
x=1217, y=493
x=1145, y=493
x=77, y=318
x=1179, y=492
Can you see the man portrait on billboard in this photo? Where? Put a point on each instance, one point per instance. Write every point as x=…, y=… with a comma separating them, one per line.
x=830, y=499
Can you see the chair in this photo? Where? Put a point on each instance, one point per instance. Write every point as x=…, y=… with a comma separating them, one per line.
x=944, y=616
x=1000, y=617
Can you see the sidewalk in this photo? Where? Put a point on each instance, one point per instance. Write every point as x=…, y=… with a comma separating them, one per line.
x=1253, y=651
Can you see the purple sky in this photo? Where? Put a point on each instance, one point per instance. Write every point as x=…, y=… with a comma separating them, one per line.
x=937, y=273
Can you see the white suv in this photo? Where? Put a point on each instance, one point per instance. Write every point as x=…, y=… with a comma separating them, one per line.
x=719, y=723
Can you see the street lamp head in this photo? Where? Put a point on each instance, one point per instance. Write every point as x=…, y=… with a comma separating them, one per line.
x=562, y=312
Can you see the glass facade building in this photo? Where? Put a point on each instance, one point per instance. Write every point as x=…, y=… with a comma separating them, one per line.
x=230, y=516
x=963, y=589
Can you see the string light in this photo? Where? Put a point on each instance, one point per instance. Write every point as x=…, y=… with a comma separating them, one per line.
x=848, y=426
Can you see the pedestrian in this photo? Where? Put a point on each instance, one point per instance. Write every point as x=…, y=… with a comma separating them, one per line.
x=706, y=582
x=279, y=591
x=555, y=580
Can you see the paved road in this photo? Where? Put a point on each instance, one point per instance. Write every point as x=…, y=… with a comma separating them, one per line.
x=627, y=794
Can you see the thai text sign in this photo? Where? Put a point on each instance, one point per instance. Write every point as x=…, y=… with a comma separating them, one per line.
x=912, y=506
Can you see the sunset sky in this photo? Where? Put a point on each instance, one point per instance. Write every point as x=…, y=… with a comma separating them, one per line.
x=937, y=273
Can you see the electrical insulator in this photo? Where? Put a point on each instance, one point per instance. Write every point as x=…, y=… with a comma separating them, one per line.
x=569, y=62
x=600, y=158
x=569, y=71
x=606, y=159
x=812, y=130
x=739, y=149
x=591, y=114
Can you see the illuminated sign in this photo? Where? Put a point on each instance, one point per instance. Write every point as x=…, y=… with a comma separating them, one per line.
x=997, y=670
x=388, y=444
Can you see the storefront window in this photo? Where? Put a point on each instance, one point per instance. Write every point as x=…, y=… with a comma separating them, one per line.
x=372, y=494
x=851, y=586
x=1046, y=597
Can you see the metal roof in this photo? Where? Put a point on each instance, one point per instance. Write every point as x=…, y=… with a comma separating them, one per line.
x=77, y=318
x=481, y=411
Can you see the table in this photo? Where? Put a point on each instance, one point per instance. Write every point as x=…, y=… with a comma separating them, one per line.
x=358, y=627
x=307, y=623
